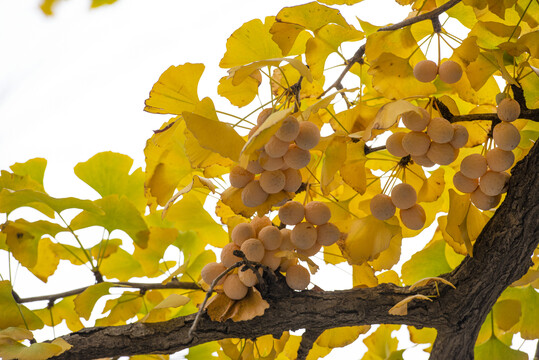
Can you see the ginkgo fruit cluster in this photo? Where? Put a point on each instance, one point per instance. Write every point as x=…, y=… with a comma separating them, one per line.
x=439, y=144
x=404, y=197
x=486, y=177
x=449, y=71
x=279, y=162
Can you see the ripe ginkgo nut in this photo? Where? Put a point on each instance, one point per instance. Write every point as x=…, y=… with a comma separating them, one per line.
x=260, y=222
x=271, y=260
x=272, y=181
x=227, y=255
x=242, y=232
x=394, y=144
x=508, y=110
x=506, y=136
x=292, y=180
x=416, y=121
x=269, y=163
x=303, y=236
x=413, y=218
x=248, y=277
x=416, y=143
x=210, y=272
x=492, y=183
x=275, y=147
x=425, y=70
x=327, y=234
x=286, y=243
x=291, y=213
x=473, y=166
x=297, y=277
x=308, y=136
x=234, y=288
x=382, y=207
x=313, y=250
x=460, y=136
x=271, y=237
x=264, y=114
x=254, y=167
x=483, y=201
x=317, y=213
x=449, y=72
x=403, y=196
x=253, y=249
x=440, y=130
x=464, y=184
x=423, y=160
x=240, y=177
x=442, y=154
x=289, y=129
x=297, y=158
x=253, y=195
x=500, y=160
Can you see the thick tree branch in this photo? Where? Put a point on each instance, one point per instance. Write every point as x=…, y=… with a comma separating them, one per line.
x=501, y=255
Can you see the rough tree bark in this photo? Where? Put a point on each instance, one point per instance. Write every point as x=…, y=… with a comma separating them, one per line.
x=502, y=254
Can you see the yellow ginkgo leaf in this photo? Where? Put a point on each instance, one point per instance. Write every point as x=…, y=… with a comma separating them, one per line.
x=232, y=198
x=388, y=115
x=401, y=308
x=85, y=301
x=238, y=94
x=172, y=301
x=426, y=281
x=353, y=169
x=311, y=16
x=240, y=73
x=334, y=158
x=176, y=90
x=342, y=336
x=197, y=182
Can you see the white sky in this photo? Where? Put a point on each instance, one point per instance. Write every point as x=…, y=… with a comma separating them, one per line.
x=74, y=84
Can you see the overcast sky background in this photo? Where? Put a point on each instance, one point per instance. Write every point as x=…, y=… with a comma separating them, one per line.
x=74, y=84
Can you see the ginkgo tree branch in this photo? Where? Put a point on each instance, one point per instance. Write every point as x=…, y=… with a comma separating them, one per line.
x=502, y=254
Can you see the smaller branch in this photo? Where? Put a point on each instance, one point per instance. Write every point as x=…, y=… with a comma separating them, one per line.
x=529, y=114
x=518, y=94
x=536, y=357
x=307, y=341
x=426, y=16
x=436, y=25
x=369, y=149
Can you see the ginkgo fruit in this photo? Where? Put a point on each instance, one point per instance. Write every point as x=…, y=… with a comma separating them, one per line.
x=291, y=213
x=327, y=234
x=416, y=143
x=271, y=260
x=303, y=235
x=249, y=277
x=425, y=70
x=313, y=250
x=464, y=184
x=260, y=222
x=492, y=183
x=297, y=277
x=483, y=201
x=227, y=255
x=289, y=129
x=253, y=195
x=240, y=177
x=252, y=131
x=272, y=181
x=242, y=232
x=440, y=130
x=292, y=180
x=423, y=160
x=449, y=72
x=382, y=207
x=403, y=196
x=308, y=136
x=234, y=288
x=297, y=158
x=506, y=136
x=473, y=166
x=460, y=136
x=275, y=147
x=254, y=167
x=508, y=110
x=211, y=271
x=413, y=218
x=499, y=160
x=253, y=249
x=269, y=163
x=264, y=114
x=507, y=177
x=394, y=144
x=317, y=213
x=286, y=243
x=442, y=154
x=416, y=121
x=271, y=238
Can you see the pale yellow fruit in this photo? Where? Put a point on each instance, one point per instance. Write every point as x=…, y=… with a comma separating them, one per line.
x=382, y=207
x=416, y=121
x=268, y=163
x=248, y=277
x=234, y=288
x=327, y=234
x=254, y=167
x=275, y=147
x=442, y=154
x=242, y=232
x=416, y=143
x=449, y=72
x=253, y=195
x=492, y=183
x=227, y=255
x=272, y=181
x=500, y=160
x=440, y=130
x=271, y=237
x=506, y=136
x=508, y=110
x=394, y=144
x=271, y=260
x=303, y=236
x=286, y=243
x=291, y=213
x=308, y=136
x=240, y=177
x=473, y=166
x=413, y=218
x=460, y=136
x=483, y=201
x=403, y=196
x=210, y=272
x=297, y=277
x=464, y=184
x=317, y=212
x=264, y=114
x=423, y=160
x=292, y=180
x=260, y=222
x=425, y=70
x=289, y=129
x=313, y=250
x=253, y=249
x=296, y=158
